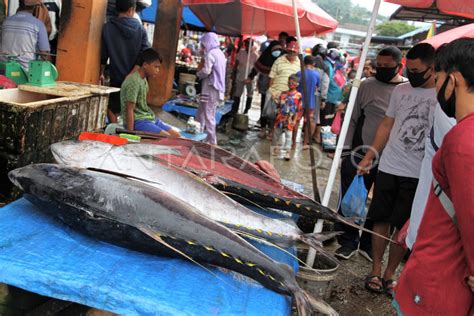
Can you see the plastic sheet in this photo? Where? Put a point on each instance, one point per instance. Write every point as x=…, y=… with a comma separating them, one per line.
x=43, y=256
x=172, y=106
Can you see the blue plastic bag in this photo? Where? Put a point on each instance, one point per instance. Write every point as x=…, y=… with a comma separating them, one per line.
x=353, y=202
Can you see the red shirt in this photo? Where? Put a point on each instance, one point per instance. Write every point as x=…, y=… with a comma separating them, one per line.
x=434, y=279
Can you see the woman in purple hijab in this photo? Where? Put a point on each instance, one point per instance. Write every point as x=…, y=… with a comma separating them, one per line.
x=212, y=72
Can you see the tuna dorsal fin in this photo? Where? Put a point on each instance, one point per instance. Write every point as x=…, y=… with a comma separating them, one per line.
x=124, y=175
x=157, y=237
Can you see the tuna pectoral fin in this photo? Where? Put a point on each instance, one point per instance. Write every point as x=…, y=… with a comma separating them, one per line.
x=124, y=175
x=307, y=305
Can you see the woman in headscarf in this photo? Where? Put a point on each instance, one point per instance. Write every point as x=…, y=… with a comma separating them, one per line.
x=212, y=72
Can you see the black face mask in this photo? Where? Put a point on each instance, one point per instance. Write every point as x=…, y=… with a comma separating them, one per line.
x=417, y=79
x=448, y=106
x=385, y=74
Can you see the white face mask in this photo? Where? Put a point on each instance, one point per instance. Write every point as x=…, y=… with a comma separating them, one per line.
x=276, y=53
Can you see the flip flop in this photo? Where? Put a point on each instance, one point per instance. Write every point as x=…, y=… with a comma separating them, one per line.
x=389, y=287
x=375, y=284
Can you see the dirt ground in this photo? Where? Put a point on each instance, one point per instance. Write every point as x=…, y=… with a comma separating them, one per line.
x=348, y=295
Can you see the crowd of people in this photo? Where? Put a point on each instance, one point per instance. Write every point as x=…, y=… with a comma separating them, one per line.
x=403, y=139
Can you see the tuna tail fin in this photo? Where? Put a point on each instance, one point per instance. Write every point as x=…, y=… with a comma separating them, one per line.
x=307, y=305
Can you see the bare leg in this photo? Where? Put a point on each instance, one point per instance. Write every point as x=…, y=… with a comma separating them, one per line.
x=294, y=134
x=378, y=247
x=317, y=135
x=312, y=125
x=112, y=117
x=395, y=256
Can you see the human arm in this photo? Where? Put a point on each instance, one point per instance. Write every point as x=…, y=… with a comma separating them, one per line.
x=43, y=40
x=470, y=282
x=102, y=75
x=457, y=160
x=104, y=56
x=130, y=116
x=145, y=43
x=273, y=73
x=205, y=68
x=324, y=87
x=357, y=110
x=251, y=75
x=381, y=138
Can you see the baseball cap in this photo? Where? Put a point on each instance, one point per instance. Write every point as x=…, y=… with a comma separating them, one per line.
x=293, y=47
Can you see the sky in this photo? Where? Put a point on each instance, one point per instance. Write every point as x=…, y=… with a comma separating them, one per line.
x=385, y=8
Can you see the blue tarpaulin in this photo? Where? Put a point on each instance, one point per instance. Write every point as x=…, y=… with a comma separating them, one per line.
x=41, y=255
x=188, y=17
x=175, y=106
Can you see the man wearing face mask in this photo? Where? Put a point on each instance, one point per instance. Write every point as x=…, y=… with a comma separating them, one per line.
x=401, y=136
x=369, y=110
x=262, y=67
x=435, y=279
x=441, y=126
x=282, y=69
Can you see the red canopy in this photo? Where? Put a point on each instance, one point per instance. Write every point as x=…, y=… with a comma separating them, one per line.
x=448, y=36
x=463, y=8
x=268, y=17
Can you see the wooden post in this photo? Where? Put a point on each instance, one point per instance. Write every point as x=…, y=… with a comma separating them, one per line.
x=78, y=56
x=165, y=41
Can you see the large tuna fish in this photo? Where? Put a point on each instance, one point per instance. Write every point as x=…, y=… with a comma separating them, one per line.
x=135, y=215
x=137, y=161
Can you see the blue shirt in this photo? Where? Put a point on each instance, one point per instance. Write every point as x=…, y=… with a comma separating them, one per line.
x=334, y=91
x=312, y=84
x=24, y=35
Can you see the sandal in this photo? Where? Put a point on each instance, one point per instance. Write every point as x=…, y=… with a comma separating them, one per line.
x=375, y=284
x=389, y=287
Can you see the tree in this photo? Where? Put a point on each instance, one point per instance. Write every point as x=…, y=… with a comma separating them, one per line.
x=394, y=28
x=346, y=12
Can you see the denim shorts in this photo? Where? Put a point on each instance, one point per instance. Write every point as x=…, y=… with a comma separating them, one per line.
x=150, y=126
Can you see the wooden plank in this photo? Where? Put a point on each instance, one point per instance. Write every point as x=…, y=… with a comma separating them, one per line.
x=78, y=56
x=70, y=89
x=60, y=123
x=165, y=41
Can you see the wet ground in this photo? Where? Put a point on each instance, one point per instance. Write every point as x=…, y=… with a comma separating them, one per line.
x=348, y=295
